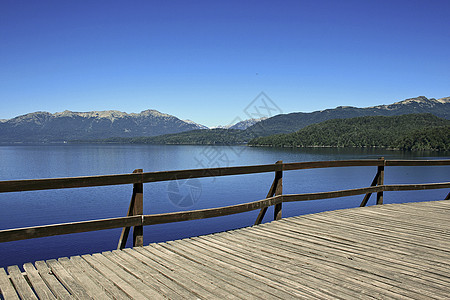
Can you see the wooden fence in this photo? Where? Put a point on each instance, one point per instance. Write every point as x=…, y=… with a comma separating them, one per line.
x=136, y=219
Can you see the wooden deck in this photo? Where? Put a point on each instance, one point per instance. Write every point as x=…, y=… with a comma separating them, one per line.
x=386, y=251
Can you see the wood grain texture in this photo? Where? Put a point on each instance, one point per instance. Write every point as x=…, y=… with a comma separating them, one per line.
x=390, y=251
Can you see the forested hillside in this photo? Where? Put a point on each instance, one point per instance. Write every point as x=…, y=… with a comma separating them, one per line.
x=406, y=132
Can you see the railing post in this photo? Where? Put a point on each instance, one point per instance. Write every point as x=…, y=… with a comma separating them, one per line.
x=278, y=190
x=135, y=208
x=138, y=231
x=276, y=186
x=380, y=181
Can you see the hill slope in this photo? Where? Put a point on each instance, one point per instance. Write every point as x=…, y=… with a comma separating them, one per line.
x=216, y=136
x=407, y=132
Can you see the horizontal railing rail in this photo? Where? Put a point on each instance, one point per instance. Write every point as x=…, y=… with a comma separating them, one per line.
x=274, y=198
x=120, y=179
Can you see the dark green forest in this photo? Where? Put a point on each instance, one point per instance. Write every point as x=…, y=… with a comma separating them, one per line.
x=193, y=137
x=406, y=132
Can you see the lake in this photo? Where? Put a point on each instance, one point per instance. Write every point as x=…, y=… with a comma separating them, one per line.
x=66, y=160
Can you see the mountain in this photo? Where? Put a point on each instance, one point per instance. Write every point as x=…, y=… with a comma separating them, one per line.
x=68, y=125
x=241, y=125
x=286, y=123
x=406, y=132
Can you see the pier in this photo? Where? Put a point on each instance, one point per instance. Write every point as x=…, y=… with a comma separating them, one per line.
x=393, y=251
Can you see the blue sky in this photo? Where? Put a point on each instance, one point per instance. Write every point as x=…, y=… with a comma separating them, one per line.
x=207, y=60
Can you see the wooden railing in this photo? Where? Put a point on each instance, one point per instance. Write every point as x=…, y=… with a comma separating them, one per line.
x=136, y=219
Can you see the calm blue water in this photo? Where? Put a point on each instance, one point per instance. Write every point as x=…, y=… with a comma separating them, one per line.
x=60, y=206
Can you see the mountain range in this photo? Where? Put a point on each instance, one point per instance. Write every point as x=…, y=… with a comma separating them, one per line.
x=68, y=125
x=286, y=123
x=96, y=125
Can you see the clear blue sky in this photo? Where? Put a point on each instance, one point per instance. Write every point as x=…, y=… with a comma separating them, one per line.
x=206, y=60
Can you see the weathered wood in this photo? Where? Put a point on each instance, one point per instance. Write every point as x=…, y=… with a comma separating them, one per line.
x=82, y=279
x=122, y=284
x=395, y=251
x=367, y=196
x=210, y=212
x=271, y=193
x=70, y=283
x=126, y=230
x=131, y=211
x=90, y=181
x=416, y=187
x=6, y=288
x=380, y=181
x=138, y=193
x=330, y=195
x=99, y=279
x=66, y=183
x=417, y=162
x=138, y=178
x=38, y=284
x=49, y=278
x=278, y=191
x=331, y=164
x=22, y=287
x=17, y=234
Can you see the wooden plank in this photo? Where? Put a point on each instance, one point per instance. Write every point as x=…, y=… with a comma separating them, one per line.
x=312, y=283
x=370, y=247
x=39, y=286
x=131, y=278
x=164, y=285
x=368, y=243
x=324, y=275
x=82, y=279
x=7, y=290
x=22, y=287
x=262, y=283
x=152, y=287
x=177, y=283
x=17, y=234
x=126, y=287
x=332, y=263
x=222, y=280
x=69, y=282
x=168, y=270
x=98, y=278
x=213, y=284
x=52, y=282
